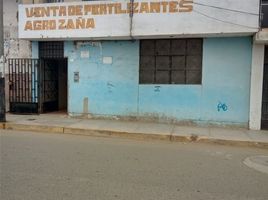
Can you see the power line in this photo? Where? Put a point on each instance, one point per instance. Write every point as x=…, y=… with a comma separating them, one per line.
x=227, y=22
x=228, y=9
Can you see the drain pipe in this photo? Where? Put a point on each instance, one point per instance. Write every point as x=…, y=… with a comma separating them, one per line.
x=1, y=39
x=131, y=13
x=2, y=74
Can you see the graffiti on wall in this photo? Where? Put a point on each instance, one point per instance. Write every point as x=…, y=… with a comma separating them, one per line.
x=157, y=88
x=222, y=107
x=110, y=87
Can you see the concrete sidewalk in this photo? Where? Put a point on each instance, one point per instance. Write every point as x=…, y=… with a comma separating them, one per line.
x=59, y=123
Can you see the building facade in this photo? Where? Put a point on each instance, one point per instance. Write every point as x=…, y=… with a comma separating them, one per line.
x=178, y=61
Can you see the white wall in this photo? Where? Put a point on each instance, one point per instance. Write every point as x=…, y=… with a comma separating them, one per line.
x=262, y=36
x=256, y=87
x=13, y=47
x=203, y=20
x=236, y=17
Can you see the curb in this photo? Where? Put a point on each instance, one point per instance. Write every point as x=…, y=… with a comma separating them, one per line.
x=239, y=143
x=2, y=125
x=117, y=134
x=37, y=128
x=131, y=135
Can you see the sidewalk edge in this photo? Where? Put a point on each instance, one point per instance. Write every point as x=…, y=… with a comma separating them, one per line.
x=131, y=135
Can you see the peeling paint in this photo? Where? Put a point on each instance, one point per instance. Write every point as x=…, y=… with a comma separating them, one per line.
x=13, y=47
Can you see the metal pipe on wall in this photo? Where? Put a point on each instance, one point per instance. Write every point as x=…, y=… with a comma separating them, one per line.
x=2, y=75
x=1, y=30
x=131, y=13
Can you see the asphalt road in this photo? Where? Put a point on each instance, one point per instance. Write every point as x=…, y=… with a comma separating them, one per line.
x=37, y=166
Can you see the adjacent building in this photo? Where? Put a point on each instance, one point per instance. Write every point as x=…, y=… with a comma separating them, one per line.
x=197, y=61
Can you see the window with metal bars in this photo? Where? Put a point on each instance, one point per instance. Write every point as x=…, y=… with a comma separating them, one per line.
x=173, y=61
x=52, y=49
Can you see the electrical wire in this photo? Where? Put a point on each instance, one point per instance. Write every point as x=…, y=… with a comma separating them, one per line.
x=228, y=9
x=227, y=22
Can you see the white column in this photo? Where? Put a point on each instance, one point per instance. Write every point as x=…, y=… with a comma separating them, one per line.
x=256, y=86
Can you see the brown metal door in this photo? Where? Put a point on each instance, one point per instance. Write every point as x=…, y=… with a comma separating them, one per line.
x=50, y=85
x=24, y=77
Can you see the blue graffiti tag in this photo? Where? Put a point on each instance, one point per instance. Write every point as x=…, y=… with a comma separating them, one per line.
x=110, y=87
x=222, y=106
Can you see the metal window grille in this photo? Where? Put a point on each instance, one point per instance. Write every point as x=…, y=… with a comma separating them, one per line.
x=23, y=85
x=264, y=14
x=51, y=49
x=176, y=61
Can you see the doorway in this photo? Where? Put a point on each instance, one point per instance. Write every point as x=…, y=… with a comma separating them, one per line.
x=264, y=117
x=53, y=77
x=54, y=85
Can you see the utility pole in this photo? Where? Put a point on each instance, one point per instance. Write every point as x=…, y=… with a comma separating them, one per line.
x=2, y=72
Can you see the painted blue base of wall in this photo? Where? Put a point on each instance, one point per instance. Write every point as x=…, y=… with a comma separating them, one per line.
x=113, y=89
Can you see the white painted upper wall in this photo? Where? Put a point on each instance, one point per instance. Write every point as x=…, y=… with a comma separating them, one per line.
x=206, y=19
x=180, y=18
x=13, y=47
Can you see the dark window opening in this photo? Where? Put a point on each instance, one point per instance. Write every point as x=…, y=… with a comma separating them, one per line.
x=176, y=61
x=53, y=49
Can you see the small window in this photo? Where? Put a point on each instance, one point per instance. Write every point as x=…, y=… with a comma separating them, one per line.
x=176, y=61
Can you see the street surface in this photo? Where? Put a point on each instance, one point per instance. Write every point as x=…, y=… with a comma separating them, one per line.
x=38, y=166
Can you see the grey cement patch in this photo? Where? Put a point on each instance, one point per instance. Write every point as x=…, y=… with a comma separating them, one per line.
x=259, y=163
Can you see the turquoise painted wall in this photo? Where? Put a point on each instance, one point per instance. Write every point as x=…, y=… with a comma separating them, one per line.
x=113, y=89
x=35, y=55
x=226, y=79
x=35, y=50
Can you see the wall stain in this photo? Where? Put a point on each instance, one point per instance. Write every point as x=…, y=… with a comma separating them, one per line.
x=110, y=87
x=157, y=88
x=85, y=105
